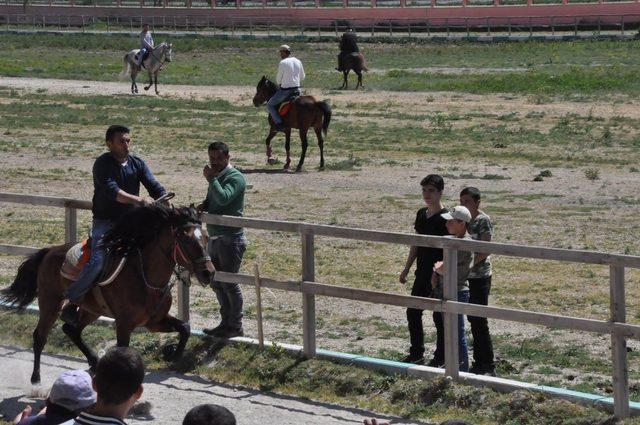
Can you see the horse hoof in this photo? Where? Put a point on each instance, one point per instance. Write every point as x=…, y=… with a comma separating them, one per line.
x=35, y=379
x=146, y=88
x=286, y=166
x=271, y=160
x=169, y=353
x=298, y=169
x=321, y=168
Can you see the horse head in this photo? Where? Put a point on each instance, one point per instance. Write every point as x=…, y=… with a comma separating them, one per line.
x=264, y=90
x=167, y=52
x=190, y=247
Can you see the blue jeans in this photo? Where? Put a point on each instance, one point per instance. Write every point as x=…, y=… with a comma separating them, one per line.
x=275, y=100
x=92, y=269
x=463, y=352
x=141, y=55
x=226, y=254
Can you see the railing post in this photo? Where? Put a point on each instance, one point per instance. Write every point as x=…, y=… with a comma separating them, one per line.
x=184, y=282
x=70, y=225
x=308, y=300
x=619, y=344
x=450, y=293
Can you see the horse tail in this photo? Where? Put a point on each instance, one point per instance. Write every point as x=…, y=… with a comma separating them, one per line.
x=326, y=112
x=126, y=66
x=363, y=64
x=24, y=288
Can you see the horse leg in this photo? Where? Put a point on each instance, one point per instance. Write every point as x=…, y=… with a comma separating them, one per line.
x=134, y=86
x=305, y=143
x=359, y=72
x=75, y=334
x=155, y=81
x=270, y=159
x=287, y=147
x=48, y=315
x=150, y=80
x=123, y=332
x=320, y=145
x=170, y=324
x=344, y=78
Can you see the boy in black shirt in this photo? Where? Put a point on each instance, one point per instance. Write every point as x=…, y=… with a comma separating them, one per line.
x=428, y=222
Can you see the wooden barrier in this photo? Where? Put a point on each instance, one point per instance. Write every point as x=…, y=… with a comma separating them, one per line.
x=616, y=327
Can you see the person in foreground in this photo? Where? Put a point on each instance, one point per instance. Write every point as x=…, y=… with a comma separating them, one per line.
x=209, y=414
x=70, y=394
x=458, y=219
x=118, y=382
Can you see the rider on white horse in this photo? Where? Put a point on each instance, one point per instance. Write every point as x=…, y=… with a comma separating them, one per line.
x=146, y=43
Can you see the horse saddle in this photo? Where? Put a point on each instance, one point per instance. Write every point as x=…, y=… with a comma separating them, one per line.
x=137, y=57
x=285, y=106
x=77, y=258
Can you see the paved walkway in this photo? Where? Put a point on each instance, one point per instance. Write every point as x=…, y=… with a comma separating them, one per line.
x=171, y=395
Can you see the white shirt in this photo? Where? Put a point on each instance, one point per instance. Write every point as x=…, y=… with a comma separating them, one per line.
x=146, y=41
x=290, y=73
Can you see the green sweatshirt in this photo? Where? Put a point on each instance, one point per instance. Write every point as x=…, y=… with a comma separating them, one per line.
x=225, y=196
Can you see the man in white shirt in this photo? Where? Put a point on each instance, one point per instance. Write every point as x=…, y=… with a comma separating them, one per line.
x=290, y=75
x=146, y=43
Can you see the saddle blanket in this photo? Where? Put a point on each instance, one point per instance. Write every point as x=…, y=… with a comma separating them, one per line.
x=77, y=257
x=284, y=108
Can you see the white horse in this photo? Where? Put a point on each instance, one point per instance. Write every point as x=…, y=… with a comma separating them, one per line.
x=154, y=61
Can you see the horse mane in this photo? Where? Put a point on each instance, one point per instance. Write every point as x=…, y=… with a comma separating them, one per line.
x=142, y=225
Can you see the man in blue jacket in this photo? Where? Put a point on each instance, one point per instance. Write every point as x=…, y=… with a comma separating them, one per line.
x=116, y=190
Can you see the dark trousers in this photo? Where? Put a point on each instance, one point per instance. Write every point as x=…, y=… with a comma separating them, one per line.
x=226, y=254
x=421, y=288
x=482, y=347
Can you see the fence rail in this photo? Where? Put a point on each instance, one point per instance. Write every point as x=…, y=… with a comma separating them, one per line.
x=616, y=327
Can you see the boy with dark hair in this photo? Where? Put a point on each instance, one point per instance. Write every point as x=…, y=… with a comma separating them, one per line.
x=209, y=414
x=428, y=222
x=480, y=228
x=225, y=196
x=118, y=382
x=458, y=219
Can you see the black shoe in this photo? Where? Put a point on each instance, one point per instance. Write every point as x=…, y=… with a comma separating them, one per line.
x=436, y=363
x=70, y=314
x=483, y=369
x=412, y=358
x=217, y=331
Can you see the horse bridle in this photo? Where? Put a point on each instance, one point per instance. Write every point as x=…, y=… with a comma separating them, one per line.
x=156, y=58
x=198, y=265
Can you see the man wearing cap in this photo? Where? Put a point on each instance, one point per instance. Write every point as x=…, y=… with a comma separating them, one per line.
x=458, y=219
x=70, y=394
x=290, y=75
x=428, y=222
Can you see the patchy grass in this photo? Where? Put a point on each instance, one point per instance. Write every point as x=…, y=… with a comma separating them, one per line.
x=275, y=370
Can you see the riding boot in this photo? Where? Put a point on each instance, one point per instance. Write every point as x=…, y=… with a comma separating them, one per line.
x=70, y=314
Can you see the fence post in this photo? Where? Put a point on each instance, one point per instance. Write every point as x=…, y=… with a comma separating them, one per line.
x=70, y=225
x=450, y=293
x=184, y=278
x=308, y=300
x=619, y=344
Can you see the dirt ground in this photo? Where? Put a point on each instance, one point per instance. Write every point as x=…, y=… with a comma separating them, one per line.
x=362, y=189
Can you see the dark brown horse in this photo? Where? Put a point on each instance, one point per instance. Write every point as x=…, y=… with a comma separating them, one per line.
x=352, y=61
x=305, y=112
x=156, y=237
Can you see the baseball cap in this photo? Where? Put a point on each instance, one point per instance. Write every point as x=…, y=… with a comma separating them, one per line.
x=284, y=47
x=458, y=213
x=73, y=390
x=434, y=180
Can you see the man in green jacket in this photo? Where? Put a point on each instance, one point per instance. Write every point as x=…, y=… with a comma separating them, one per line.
x=225, y=196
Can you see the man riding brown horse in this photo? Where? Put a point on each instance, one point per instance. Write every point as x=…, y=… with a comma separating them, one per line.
x=348, y=45
x=289, y=77
x=116, y=180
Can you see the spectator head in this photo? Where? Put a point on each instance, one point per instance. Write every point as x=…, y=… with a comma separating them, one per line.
x=119, y=375
x=218, y=156
x=432, y=187
x=470, y=198
x=209, y=414
x=458, y=219
x=73, y=390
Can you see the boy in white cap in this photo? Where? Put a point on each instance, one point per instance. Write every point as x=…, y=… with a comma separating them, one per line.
x=289, y=77
x=458, y=219
x=70, y=394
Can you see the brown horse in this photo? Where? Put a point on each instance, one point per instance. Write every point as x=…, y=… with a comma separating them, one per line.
x=352, y=61
x=154, y=239
x=305, y=112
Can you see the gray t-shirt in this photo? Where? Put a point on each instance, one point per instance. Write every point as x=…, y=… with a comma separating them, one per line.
x=479, y=227
x=463, y=266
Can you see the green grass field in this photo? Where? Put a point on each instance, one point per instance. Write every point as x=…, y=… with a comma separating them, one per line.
x=554, y=149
